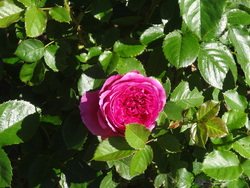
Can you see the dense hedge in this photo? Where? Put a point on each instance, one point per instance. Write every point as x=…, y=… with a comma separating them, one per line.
x=52, y=52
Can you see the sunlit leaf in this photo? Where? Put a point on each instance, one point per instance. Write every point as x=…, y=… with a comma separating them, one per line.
x=216, y=127
x=113, y=148
x=136, y=135
x=235, y=119
x=60, y=14
x=180, y=50
x=50, y=57
x=141, y=160
x=239, y=36
x=242, y=146
x=186, y=98
x=208, y=110
x=35, y=21
x=15, y=122
x=30, y=50
x=234, y=100
x=9, y=13
x=199, y=134
x=184, y=178
x=201, y=16
x=151, y=34
x=108, y=181
x=214, y=62
x=222, y=165
x=125, y=65
x=128, y=47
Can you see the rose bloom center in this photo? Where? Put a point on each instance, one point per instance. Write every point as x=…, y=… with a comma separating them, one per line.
x=134, y=105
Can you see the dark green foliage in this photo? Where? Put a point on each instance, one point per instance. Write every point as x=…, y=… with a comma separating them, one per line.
x=52, y=52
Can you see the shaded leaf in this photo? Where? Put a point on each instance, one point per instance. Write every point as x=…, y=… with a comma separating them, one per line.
x=180, y=50
x=141, y=160
x=170, y=143
x=136, y=135
x=35, y=21
x=73, y=131
x=161, y=180
x=222, y=165
x=246, y=168
x=113, y=148
x=30, y=50
x=5, y=170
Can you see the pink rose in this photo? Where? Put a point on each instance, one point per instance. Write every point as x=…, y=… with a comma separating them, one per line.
x=123, y=99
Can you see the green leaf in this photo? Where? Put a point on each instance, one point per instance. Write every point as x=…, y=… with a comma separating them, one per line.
x=136, y=135
x=9, y=13
x=60, y=14
x=73, y=131
x=237, y=183
x=30, y=50
x=50, y=57
x=5, y=170
x=184, y=178
x=122, y=167
x=102, y=9
x=234, y=100
x=216, y=127
x=161, y=180
x=246, y=168
x=108, y=61
x=180, y=50
x=128, y=64
x=35, y=25
x=18, y=122
x=242, y=146
x=141, y=160
x=235, y=119
x=214, y=62
x=29, y=3
x=87, y=83
x=239, y=36
x=170, y=143
x=237, y=16
x=108, y=181
x=173, y=111
x=222, y=165
x=208, y=110
x=33, y=73
x=201, y=16
x=128, y=47
x=186, y=98
x=199, y=134
x=113, y=148
x=151, y=34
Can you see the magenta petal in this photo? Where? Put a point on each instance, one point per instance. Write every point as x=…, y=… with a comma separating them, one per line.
x=88, y=109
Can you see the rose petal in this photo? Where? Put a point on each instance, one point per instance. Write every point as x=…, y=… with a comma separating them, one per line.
x=88, y=109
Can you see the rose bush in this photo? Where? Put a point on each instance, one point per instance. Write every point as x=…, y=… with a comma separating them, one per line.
x=123, y=99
